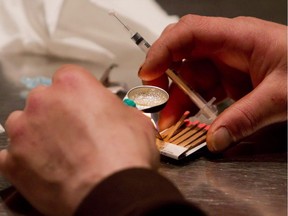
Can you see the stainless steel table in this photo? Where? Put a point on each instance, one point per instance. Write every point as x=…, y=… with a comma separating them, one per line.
x=249, y=179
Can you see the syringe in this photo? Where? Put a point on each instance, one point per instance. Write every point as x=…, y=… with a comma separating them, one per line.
x=208, y=111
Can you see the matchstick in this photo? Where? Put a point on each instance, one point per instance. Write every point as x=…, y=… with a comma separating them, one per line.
x=184, y=131
x=189, y=134
x=177, y=125
x=196, y=142
x=201, y=132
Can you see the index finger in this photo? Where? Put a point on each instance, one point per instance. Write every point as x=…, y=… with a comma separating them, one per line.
x=230, y=40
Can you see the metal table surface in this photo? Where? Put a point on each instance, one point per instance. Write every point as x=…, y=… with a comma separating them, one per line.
x=249, y=179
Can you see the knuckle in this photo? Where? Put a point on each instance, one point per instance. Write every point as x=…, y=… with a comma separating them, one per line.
x=68, y=73
x=190, y=18
x=13, y=124
x=76, y=80
x=35, y=99
x=187, y=17
x=168, y=28
x=65, y=75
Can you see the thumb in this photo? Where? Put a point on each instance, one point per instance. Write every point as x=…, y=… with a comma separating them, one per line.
x=265, y=105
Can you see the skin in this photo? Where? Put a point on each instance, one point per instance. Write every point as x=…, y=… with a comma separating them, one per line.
x=69, y=129
x=243, y=58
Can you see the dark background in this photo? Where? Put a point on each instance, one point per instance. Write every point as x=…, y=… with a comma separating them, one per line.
x=272, y=10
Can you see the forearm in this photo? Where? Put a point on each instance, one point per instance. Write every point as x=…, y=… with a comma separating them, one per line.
x=135, y=192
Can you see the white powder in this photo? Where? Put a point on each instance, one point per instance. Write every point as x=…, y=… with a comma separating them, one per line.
x=148, y=97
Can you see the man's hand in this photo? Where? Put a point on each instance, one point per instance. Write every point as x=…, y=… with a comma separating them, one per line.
x=70, y=136
x=242, y=58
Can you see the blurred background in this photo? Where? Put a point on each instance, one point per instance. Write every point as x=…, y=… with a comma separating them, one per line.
x=272, y=10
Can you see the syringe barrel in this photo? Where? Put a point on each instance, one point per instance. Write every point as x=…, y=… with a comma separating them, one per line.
x=204, y=107
x=141, y=42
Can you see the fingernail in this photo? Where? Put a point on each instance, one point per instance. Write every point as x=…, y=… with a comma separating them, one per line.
x=220, y=140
